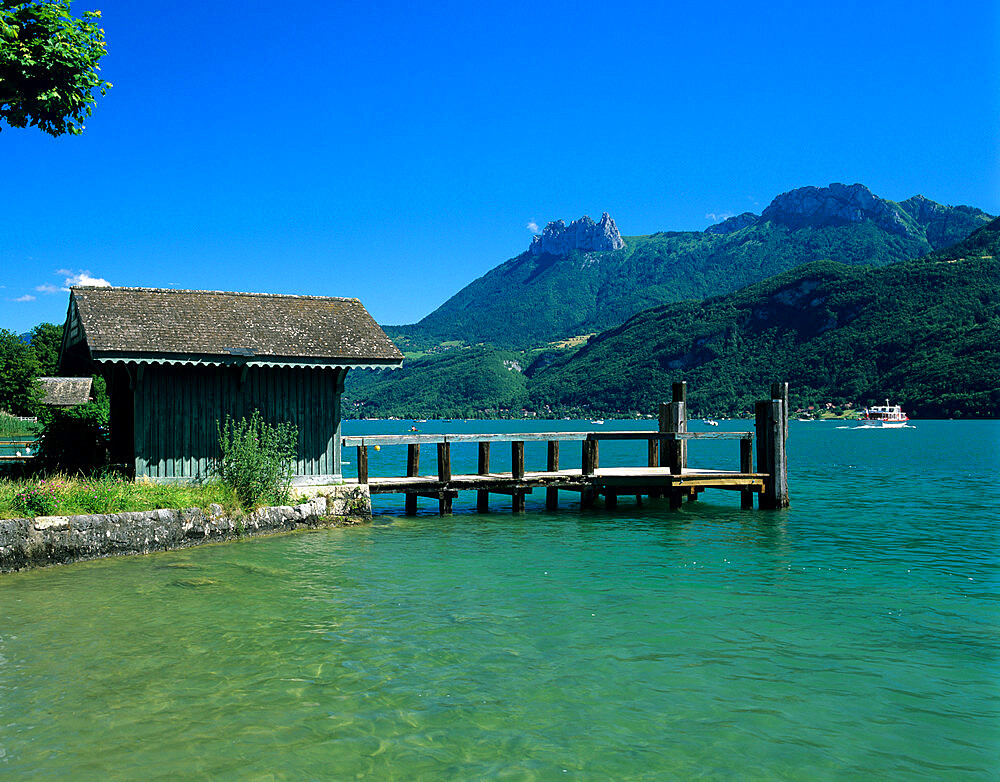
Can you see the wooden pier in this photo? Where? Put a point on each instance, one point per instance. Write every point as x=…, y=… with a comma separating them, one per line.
x=665, y=474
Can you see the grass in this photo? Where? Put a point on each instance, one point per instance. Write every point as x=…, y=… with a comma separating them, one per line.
x=13, y=427
x=61, y=495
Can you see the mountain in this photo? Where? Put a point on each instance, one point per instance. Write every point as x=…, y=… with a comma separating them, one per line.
x=465, y=382
x=924, y=333
x=585, y=277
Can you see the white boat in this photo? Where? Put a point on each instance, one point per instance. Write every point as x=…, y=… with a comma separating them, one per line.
x=710, y=422
x=598, y=421
x=885, y=416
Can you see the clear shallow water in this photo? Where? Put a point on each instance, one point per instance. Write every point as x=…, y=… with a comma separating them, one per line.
x=854, y=636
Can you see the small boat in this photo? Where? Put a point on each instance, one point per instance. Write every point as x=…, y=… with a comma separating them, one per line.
x=884, y=416
x=598, y=421
x=710, y=422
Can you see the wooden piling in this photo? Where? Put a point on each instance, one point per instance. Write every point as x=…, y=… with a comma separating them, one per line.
x=771, y=423
x=517, y=459
x=412, y=470
x=664, y=416
x=517, y=501
x=680, y=395
x=676, y=449
x=482, y=496
x=589, y=457
x=746, y=466
x=552, y=465
x=362, y=464
x=444, y=461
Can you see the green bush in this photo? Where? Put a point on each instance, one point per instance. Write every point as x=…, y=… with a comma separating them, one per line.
x=257, y=459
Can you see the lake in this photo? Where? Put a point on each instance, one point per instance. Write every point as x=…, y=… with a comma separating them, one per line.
x=855, y=635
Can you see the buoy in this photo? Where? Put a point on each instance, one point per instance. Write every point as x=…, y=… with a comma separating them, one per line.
x=378, y=447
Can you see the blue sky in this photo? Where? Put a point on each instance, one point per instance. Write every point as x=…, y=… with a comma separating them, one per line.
x=396, y=151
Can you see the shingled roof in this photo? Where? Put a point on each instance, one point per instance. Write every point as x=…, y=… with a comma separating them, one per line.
x=155, y=324
x=65, y=391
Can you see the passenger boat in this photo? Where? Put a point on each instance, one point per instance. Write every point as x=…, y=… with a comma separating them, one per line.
x=885, y=416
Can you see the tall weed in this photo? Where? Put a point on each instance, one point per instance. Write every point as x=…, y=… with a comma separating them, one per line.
x=257, y=459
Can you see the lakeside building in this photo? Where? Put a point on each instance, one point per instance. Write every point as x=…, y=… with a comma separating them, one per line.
x=177, y=362
x=65, y=391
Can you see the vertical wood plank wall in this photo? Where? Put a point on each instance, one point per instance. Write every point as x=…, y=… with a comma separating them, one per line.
x=176, y=409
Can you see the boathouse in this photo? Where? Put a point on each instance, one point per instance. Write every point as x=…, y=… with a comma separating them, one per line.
x=178, y=361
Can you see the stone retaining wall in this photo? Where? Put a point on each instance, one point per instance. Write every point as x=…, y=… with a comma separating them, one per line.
x=53, y=540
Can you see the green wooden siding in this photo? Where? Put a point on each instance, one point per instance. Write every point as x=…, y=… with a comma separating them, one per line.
x=177, y=407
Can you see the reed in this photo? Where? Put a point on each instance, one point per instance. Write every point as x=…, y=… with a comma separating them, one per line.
x=11, y=426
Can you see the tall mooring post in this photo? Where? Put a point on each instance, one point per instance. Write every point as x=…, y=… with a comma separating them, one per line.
x=772, y=455
x=673, y=418
x=673, y=453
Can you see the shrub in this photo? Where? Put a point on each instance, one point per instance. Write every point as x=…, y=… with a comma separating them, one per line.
x=257, y=459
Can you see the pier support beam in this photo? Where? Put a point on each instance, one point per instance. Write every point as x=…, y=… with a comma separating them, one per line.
x=746, y=466
x=412, y=470
x=552, y=465
x=589, y=457
x=362, y=459
x=483, y=497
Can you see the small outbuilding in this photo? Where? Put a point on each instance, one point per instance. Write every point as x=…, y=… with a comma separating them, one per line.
x=65, y=391
x=177, y=362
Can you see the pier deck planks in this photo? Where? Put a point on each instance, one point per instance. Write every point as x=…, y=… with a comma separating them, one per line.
x=623, y=480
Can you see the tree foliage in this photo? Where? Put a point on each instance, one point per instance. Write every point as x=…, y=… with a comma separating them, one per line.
x=46, y=341
x=49, y=65
x=19, y=394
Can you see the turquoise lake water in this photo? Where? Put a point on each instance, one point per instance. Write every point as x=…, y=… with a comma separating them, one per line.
x=854, y=636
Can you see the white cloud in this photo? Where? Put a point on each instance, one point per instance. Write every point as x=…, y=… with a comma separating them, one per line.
x=84, y=278
x=533, y=227
x=25, y=297
x=71, y=278
x=718, y=217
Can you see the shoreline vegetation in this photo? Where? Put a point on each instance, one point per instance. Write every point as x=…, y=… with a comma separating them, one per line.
x=64, y=495
x=835, y=414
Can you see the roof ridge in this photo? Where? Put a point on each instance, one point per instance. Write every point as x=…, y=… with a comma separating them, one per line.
x=221, y=293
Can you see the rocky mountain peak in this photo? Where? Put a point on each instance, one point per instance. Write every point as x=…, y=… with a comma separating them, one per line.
x=733, y=224
x=583, y=234
x=835, y=205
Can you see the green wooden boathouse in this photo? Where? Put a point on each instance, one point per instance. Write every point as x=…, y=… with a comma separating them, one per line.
x=178, y=361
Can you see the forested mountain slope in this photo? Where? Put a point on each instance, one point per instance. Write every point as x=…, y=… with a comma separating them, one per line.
x=925, y=333
x=539, y=297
